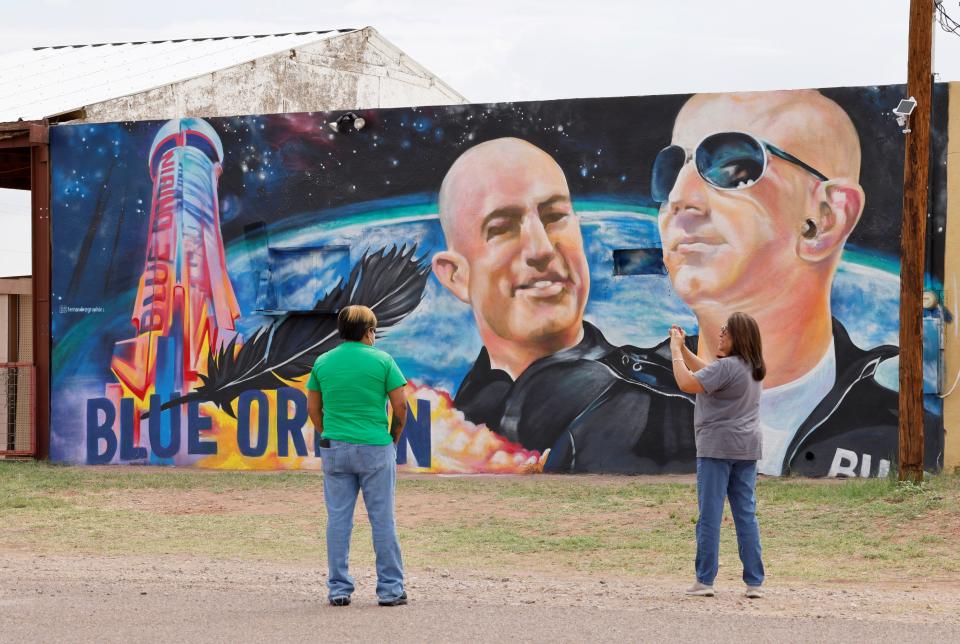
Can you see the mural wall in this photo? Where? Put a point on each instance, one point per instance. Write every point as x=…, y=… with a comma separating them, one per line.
x=525, y=261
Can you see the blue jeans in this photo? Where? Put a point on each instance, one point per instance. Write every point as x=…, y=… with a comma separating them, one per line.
x=348, y=469
x=719, y=478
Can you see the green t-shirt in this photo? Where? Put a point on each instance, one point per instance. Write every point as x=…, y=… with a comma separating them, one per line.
x=353, y=380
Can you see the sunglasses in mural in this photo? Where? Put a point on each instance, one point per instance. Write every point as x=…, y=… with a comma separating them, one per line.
x=725, y=160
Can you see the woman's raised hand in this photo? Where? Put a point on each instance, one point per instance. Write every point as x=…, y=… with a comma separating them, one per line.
x=677, y=337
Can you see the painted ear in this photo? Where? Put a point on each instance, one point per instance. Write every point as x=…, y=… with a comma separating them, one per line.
x=840, y=204
x=452, y=270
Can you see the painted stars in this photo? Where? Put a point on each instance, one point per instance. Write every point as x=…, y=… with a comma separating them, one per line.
x=259, y=165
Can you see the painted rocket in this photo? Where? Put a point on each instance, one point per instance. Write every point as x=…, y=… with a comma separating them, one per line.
x=185, y=305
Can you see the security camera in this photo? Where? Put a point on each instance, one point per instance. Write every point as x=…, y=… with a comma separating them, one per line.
x=903, y=110
x=347, y=123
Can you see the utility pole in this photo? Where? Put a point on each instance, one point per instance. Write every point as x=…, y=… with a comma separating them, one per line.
x=915, y=188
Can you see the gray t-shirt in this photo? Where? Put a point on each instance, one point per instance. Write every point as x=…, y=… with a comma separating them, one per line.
x=726, y=418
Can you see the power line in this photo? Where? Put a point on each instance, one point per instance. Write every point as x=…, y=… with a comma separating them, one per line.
x=946, y=23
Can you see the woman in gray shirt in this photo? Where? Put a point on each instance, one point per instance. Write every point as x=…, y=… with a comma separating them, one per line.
x=726, y=423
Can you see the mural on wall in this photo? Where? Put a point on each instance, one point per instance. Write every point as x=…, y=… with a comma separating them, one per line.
x=525, y=262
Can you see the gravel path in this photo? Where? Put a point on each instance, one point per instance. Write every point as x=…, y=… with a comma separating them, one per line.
x=122, y=599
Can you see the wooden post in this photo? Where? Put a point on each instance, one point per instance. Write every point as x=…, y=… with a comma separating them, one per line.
x=915, y=188
x=40, y=214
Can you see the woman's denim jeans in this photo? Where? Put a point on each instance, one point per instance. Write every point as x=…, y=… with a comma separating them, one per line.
x=348, y=469
x=719, y=478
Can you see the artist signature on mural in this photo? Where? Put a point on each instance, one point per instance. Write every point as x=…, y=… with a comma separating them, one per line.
x=64, y=308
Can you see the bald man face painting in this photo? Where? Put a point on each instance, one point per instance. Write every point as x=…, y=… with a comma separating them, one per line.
x=514, y=248
x=744, y=246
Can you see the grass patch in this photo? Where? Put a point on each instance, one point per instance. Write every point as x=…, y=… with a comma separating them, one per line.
x=811, y=530
x=36, y=476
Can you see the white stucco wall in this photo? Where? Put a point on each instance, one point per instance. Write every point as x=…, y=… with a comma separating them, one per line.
x=353, y=71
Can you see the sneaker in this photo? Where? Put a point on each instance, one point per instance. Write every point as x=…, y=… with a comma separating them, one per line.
x=753, y=592
x=342, y=600
x=700, y=590
x=398, y=601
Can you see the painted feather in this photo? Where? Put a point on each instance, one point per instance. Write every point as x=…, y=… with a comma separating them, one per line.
x=391, y=282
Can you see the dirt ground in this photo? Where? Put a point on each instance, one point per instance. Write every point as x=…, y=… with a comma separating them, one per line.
x=119, y=599
x=85, y=596
x=90, y=596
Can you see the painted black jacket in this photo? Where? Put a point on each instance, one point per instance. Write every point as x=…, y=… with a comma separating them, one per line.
x=617, y=409
x=859, y=417
x=600, y=408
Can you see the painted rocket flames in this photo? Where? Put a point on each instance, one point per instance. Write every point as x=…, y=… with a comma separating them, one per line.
x=461, y=447
x=228, y=456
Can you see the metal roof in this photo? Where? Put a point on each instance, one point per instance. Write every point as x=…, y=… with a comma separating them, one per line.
x=46, y=81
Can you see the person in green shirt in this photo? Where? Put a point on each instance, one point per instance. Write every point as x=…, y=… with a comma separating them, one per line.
x=346, y=398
